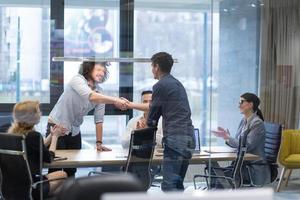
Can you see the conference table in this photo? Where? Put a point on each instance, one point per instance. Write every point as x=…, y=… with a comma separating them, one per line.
x=118, y=156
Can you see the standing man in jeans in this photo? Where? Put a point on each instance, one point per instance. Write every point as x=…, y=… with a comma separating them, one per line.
x=169, y=100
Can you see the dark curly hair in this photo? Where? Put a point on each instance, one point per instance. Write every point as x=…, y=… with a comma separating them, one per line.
x=87, y=67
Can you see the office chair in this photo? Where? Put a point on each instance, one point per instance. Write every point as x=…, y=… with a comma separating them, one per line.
x=5, y=122
x=16, y=183
x=140, y=155
x=92, y=187
x=234, y=177
x=272, y=144
x=289, y=155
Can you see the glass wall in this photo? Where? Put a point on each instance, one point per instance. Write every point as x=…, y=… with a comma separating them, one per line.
x=212, y=46
x=236, y=28
x=93, y=31
x=24, y=57
x=224, y=48
x=185, y=34
x=216, y=44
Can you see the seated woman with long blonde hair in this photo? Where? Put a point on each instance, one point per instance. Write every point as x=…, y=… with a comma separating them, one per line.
x=26, y=115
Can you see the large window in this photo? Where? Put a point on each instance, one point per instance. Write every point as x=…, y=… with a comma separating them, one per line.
x=185, y=34
x=216, y=51
x=24, y=53
x=216, y=44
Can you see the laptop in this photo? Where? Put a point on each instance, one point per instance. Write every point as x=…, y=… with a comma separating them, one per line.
x=197, y=142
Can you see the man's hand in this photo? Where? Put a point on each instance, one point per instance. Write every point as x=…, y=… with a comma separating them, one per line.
x=127, y=102
x=121, y=103
x=141, y=123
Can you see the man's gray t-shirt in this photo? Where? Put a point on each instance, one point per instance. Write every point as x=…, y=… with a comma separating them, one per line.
x=74, y=104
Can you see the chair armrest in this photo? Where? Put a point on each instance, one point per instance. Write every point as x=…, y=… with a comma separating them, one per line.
x=35, y=184
x=212, y=176
x=261, y=163
x=122, y=169
x=250, y=164
x=105, y=173
x=230, y=168
x=223, y=168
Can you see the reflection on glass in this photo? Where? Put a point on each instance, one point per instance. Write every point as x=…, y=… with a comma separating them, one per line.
x=89, y=32
x=92, y=33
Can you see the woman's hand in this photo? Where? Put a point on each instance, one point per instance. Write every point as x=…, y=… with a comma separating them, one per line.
x=100, y=147
x=221, y=132
x=58, y=130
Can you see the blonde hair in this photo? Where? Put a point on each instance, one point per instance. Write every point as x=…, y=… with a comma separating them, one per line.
x=26, y=114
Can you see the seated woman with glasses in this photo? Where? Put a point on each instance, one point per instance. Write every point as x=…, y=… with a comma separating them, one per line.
x=26, y=115
x=252, y=123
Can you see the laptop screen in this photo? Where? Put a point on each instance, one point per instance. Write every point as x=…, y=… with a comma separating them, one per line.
x=197, y=139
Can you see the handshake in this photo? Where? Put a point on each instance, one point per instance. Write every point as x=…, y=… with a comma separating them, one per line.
x=123, y=103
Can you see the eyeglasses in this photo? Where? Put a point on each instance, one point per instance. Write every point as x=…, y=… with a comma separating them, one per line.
x=242, y=101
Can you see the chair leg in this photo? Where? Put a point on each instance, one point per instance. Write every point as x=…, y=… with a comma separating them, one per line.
x=289, y=172
x=281, y=179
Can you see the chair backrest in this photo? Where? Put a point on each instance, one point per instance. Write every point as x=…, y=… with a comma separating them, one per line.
x=272, y=141
x=290, y=144
x=5, y=122
x=93, y=187
x=16, y=175
x=141, y=148
x=238, y=163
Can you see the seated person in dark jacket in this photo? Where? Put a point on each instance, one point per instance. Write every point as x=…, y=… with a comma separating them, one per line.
x=26, y=114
